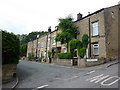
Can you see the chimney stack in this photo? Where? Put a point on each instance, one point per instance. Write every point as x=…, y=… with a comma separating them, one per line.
x=79, y=16
x=49, y=29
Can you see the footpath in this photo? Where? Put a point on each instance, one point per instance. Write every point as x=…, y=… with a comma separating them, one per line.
x=11, y=85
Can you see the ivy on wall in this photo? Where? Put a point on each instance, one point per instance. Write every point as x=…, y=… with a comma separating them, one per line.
x=80, y=46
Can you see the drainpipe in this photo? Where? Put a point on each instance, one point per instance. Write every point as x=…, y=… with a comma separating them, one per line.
x=46, y=45
x=89, y=36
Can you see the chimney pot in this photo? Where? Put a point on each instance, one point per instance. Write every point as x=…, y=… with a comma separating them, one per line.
x=79, y=16
x=49, y=29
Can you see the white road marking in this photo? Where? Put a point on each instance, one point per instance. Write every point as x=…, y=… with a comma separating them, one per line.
x=94, y=78
x=70, y=78
x=105, y=78
x=42, y=86
x=109, y=84
x=91, y=72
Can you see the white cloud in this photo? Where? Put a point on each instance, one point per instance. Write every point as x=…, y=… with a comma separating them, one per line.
x=25, y=16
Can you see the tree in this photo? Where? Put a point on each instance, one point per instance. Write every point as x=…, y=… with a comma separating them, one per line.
x=33, y=35
x=24, y=38
x=64, y=38
x=68, y=30
x=23, y=49
x=10, y=48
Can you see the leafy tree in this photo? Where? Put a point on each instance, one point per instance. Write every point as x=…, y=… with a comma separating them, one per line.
x=24, y=38
x=67, y=25
x=10, y=48
x=33, y=35
x=68, y=30
x=23, y=49
x=64, y=38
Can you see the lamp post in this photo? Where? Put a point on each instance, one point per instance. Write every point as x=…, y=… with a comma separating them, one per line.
x=37, y=46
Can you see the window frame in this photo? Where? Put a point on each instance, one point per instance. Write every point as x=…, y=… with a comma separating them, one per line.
x=95, y=28
x=96, y=54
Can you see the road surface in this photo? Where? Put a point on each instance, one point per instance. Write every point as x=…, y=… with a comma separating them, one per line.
x=37, y=75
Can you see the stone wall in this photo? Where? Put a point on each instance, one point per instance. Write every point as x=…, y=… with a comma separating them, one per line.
x=8, y=72
x=65, y=62
x=85, y=63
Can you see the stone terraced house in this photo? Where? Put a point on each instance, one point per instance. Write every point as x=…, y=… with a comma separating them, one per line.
x=102, y=27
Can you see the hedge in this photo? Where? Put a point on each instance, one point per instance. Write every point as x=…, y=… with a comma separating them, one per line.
x=10, y=48
x=64, y=55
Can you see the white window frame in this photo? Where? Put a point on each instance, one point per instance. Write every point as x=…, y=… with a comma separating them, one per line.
x=95, y=30
x=38, y=44
x=49, y=42
x=42, y=44
x=34, y=45
x=95, y=46
x=53, y=40
x=65, y=50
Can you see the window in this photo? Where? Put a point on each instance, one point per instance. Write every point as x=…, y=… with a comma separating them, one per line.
x=53, y=41
x=95, y=28
x=49, y=42
x=38, y=44
x=42, y=44
x=95, y=49
x=34, y=45
x=113, y=15
x=65, y=50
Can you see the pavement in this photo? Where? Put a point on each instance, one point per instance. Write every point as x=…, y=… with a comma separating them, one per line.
x=14, y=83
x=10, y=85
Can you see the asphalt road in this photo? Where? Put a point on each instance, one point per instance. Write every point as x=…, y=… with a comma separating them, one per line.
x=40, y=75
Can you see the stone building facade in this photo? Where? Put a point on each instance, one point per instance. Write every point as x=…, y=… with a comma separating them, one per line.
x=102, y=28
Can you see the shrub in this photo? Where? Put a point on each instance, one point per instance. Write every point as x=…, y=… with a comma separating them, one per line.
x=81, y=52
x=10, y=48
x=85, y=40
x=30, y=56
x=49, y=54
x=64, y=55
x=74, y=44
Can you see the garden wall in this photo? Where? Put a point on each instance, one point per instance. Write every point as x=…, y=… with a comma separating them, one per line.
x=65, y=62
x=7, y=72
x=90, y=62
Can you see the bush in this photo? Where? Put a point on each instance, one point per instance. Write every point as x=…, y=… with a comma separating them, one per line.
x=49, y=54
x=85, y=40
x=64, y=55
x=10, y=48
x=30, y=56
x=74, y=44
x=81, y=52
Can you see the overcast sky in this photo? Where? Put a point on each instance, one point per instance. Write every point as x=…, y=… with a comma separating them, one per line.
x=25, y=16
